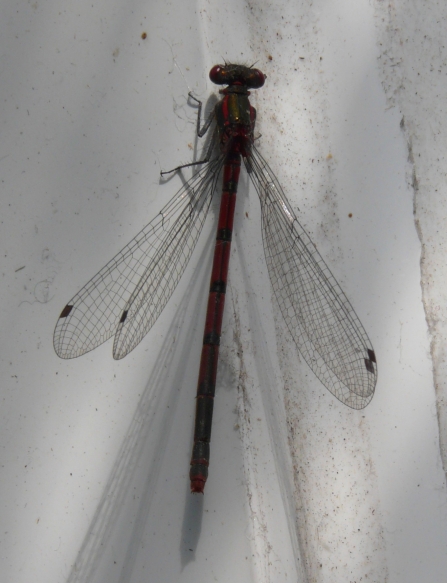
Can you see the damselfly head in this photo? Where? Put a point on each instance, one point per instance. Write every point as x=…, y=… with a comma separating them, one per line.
x=230, y=74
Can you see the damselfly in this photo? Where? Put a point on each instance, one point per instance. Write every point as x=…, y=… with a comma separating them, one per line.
x=126, y=297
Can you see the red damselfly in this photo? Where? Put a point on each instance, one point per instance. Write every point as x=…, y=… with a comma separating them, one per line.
x=126, y=297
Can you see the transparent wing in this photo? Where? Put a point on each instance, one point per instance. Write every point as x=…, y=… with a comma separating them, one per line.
x=134, y=287
x=322, y=322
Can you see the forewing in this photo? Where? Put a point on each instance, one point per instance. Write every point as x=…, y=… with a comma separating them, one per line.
x=319, y=316
x=162, y=275
x=94, y=314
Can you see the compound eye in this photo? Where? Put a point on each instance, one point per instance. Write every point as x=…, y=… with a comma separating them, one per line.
x=256, y=79
x=217, y=75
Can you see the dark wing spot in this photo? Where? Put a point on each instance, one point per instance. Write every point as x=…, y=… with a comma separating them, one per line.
x=369, y=366
x=66, y=311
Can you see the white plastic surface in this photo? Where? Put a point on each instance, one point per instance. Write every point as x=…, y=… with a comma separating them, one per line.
x=94, y=463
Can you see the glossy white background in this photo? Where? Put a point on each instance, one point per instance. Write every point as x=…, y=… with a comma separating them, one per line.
x=95, y=453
